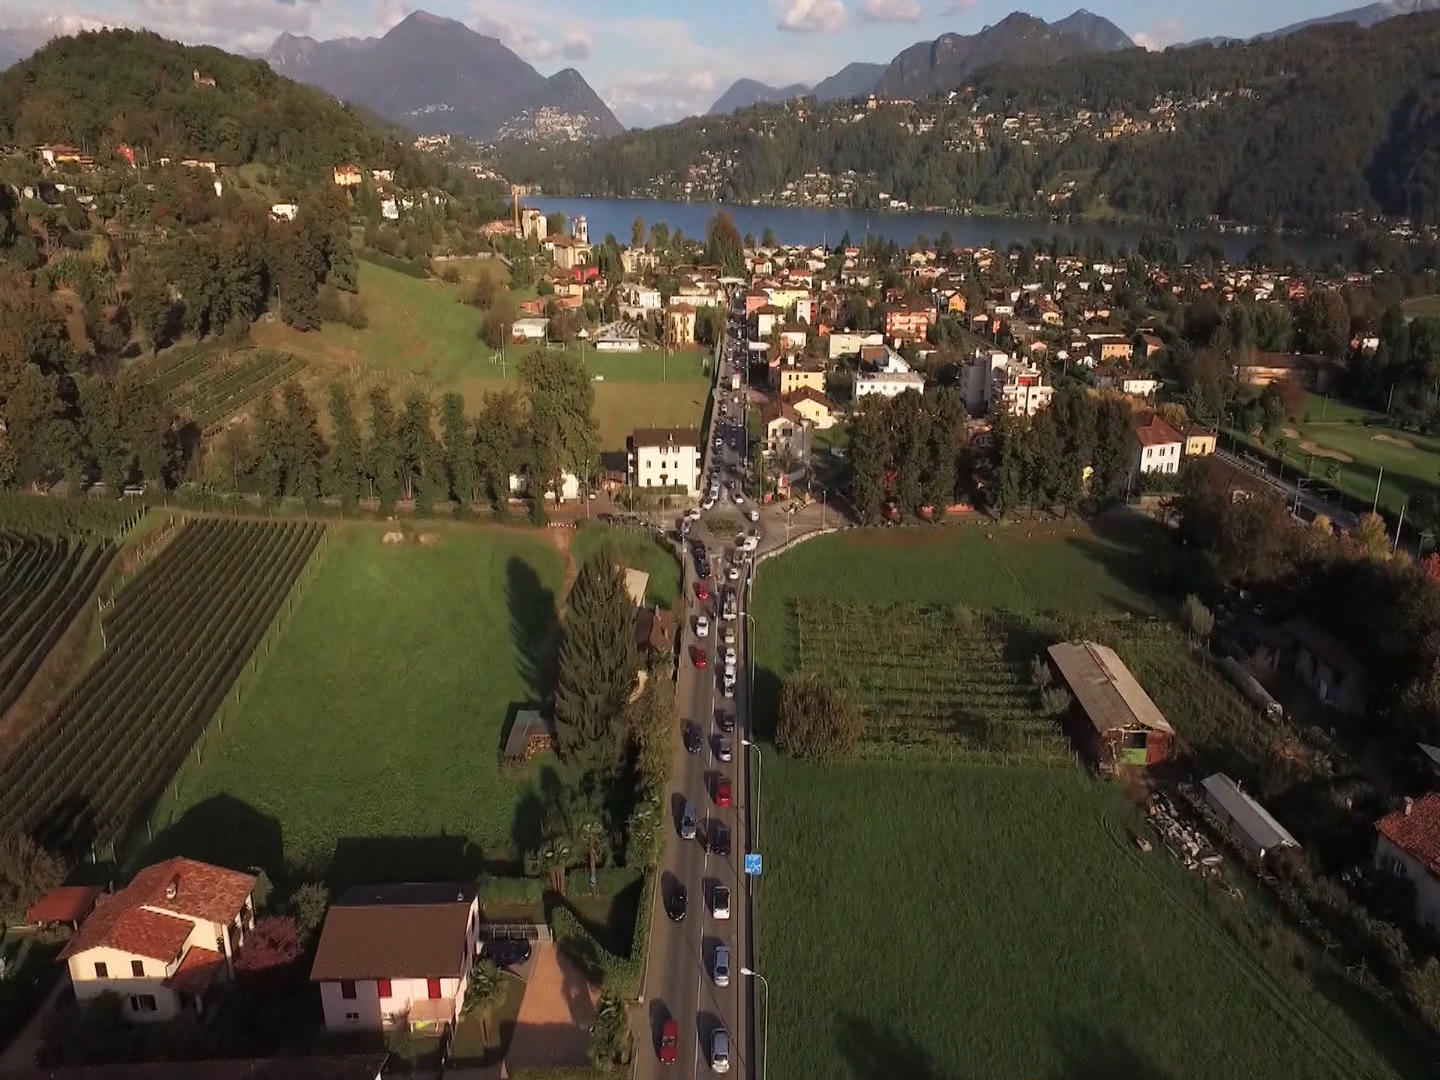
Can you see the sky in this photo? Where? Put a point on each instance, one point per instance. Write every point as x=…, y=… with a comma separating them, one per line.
x=654, y=61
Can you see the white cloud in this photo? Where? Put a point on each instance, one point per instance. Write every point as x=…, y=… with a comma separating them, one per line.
x=661, y=96
x=576, y=47
x=891, y=10
x=811, y=16
x=1163, y=34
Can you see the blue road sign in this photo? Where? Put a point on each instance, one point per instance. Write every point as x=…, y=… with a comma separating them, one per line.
x=752, y=863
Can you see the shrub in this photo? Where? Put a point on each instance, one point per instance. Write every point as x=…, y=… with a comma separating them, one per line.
x=1055, y=701
x=1197, y=618
x=27, y=872
x=1040, y=673
x=268, y=960
x=450, y=275
x=307, y=907
x=817, y=722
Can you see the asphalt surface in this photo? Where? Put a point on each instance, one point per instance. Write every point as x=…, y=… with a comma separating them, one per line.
x=679, y=977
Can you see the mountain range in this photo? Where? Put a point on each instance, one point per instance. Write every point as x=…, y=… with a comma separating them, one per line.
x=1368, y=15
x=931, y=66
x=433, y=75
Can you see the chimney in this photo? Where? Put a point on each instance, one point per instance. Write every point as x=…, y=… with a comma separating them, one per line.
x=172, y=888
x=1409, y=805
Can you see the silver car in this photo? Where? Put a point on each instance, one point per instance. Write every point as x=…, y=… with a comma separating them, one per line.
x=722, y=748
x=687, y=823
x=720, y=970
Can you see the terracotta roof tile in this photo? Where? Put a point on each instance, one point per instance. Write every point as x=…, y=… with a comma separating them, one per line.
x=67, y=904
x=1152, y=430
x=197, y=971
x=1418, y=832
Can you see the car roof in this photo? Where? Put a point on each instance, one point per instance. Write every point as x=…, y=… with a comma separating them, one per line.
x=721, y=1039
x=670, y=1027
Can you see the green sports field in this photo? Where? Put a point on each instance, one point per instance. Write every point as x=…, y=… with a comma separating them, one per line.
x=947, y=919
x=367, y=744
x=420, y=333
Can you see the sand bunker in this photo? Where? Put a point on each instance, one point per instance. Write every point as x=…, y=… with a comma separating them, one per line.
x=1325, y=452
x=1394, y=440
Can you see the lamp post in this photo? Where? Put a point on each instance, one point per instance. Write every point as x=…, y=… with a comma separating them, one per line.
x=765, y=1038
x=751, y=744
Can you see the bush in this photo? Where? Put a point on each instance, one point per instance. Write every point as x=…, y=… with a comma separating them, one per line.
x=269, y=959
x=307, y=907
x=1055, y=701
x=817, y=722
x=1197, y=618
x=511, y=890
x=450, y=275
x=27, y=872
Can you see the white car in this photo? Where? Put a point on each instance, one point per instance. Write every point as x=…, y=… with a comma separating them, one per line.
x=692, y=514
x=730, y=671
x=729, y=635
x=732, y=573
x=719, y=443
x=729, y=687
x=753, y=515
x=730, y=657
x=720, y=901
x=708, y=504
x=739, y=499
x=702, y=626
x=748, y=543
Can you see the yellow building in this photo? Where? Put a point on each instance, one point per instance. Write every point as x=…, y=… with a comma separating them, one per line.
x=813, y=407
x=794, y=378
x=680, y=325
x=1199, y=441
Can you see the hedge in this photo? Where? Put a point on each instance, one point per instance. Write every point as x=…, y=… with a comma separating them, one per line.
x=620, y=975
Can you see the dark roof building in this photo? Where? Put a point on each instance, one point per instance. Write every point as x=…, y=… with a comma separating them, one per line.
x=413, y=930
x=1115, y=722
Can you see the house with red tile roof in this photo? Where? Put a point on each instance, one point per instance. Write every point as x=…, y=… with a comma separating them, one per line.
x=1407, y=842
x=1158, y=446
x=166, y=941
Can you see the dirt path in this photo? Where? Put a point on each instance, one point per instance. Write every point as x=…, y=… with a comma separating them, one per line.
x=553, y=1027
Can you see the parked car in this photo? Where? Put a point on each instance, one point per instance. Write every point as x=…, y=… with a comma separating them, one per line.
x=726, y=720
x=720, y=901
x=709, y=503
x=739, y=499
x=691, y=514
x=720, y=1051
x=753, y=515
x=669, y=1042
x=702, y=626
x=506, y=952
x=722, y=792
x=730, y=655
x=720, y=968
x=702, y=590
x=729, y=635
x=675, y=908
x=687, y=823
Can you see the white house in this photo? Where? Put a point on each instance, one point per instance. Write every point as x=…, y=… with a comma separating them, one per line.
x=1407, y=843
x=977, y=378
x=569, y=486
x=396, y=955
x=665, y=458
x=1019, y=389
x=643, y=298
x=849, y=344
x=526, y=330
x=1139, y=387
x=888, y=384
x=284, y=211
x=1159, y=446
x=165, y=942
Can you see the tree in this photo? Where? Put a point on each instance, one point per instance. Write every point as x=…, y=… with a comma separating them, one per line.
x=1369, y=536
x=495, y=329
x=302, y=448
x=767, y=237
x=637, y=232
x=497, y=450
x=555, y=223
x=817, y=722
x=562, y=418
x=723, y=245
x=307, y=908
x=384, y=449
x=416, y=440
x=597, y=664
x=345, y=466
x=457, y=451
x=1324, y=323
x=609, y=1034
x=27, y=872
x=269, y=959
x=1196, y=617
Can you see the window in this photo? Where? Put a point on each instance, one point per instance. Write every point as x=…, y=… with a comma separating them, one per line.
x=137, y=968
x=142, y=1003
x=101, y=971
x=382, y=986
x=347, y=989
x=352, y=1016
x=432, y=989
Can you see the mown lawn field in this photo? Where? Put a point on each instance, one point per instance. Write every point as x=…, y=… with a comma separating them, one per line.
x=367, y=743
x=420, y=333
x=637, y=550
x=1360, y=442
x=926, y=912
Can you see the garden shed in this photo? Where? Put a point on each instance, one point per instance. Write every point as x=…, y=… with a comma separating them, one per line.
x=530, y=734
x=1251, y=823
x=1113, y=721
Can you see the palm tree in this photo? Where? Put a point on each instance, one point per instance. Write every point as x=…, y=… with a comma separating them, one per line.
x=482, y=993
x=1280, y=444
x=555, y=857
x=592, y=838
x=608, y=1034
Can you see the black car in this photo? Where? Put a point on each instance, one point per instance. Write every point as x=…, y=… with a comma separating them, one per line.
x=692, y=738
x=676, y=907
x=726, y=721
x=506, y=952
x=719, y=839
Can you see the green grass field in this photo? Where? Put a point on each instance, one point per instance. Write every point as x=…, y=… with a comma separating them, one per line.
x=420, y=333
x=1361, y=443
x=956, y=920
x=639, y=551
x=367, y=744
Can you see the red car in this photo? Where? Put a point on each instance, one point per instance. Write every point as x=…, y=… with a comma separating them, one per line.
x=700, y=658
x=722, y=792
x=702, y=590
x=669, y=1040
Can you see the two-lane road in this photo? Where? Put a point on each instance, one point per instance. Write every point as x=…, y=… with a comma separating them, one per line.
x=679, y=977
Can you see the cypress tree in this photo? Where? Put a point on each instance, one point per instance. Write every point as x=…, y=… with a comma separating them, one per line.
x=457, y=451
x=598, y=661
x=345, y=468
x=384, y=449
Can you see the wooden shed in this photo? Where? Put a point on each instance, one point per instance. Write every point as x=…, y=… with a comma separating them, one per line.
x=530, y=734
x=1113, y=722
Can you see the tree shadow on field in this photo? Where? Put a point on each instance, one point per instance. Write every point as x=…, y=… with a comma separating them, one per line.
x=1085, y=1052
x=540, y=813
x=1138, y=552
x=360, y=860
x=228, y=832
x=875, y=1053
x=534, y=627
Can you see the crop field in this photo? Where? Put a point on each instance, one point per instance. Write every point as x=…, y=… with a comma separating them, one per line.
x=933, y=682
x=176, y=639
x=211, y=385
x=419, y=332
x=367, y=742
x=1008, y=925
x=104, y=519
x=43, y=583
x=977, y=922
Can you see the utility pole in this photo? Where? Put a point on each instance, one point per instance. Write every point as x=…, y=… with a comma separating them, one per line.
x=1396, y=544
x=1376, y=504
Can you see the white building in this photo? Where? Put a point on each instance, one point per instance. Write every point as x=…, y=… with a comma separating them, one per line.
x=888, y=384
x=1020, y=389
x=643, y=297
x=977, y=378
x=525, y=330
x=1408, y=844
x=569, y=486
x=849, y=344
x=665, y=458
x=1158, y=446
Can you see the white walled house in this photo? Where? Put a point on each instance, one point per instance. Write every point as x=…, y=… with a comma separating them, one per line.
x=1158, y=446
x=887, y=384
x=1019, y=389
x=1407, y=842
x=396, y=956
x=164, y=942
x=665, y=458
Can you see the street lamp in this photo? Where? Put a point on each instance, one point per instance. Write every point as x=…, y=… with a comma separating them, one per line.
x=751, y=744
x=765, y=1039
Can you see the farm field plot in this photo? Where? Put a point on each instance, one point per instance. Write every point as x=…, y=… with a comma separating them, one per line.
x=178, y=636
x=933, y=682
x=209, y=384
x=419, y=330
x=367, y=743
x=1008, y=927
